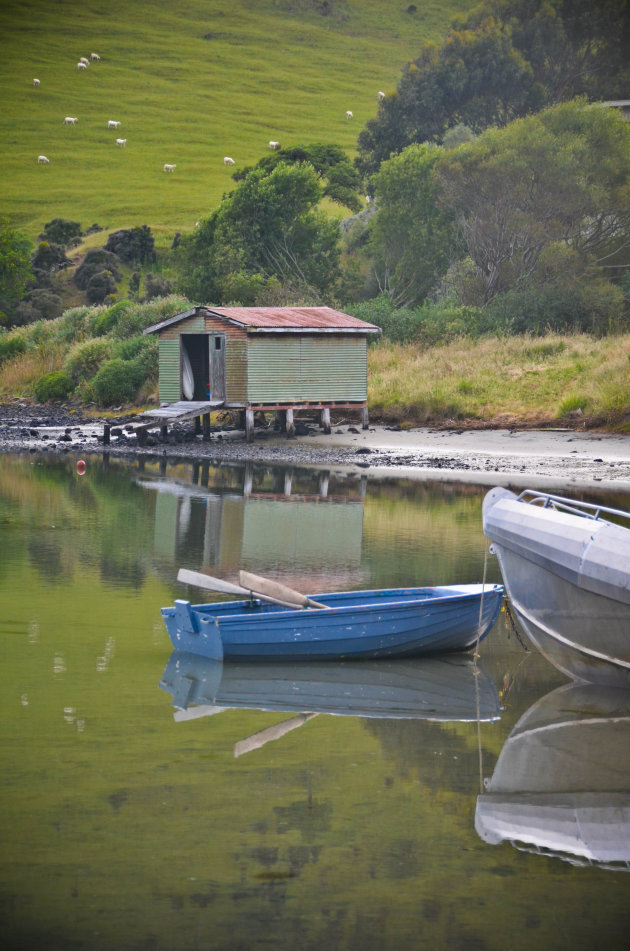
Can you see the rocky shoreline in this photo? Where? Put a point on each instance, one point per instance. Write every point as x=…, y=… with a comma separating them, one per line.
x=545, y=458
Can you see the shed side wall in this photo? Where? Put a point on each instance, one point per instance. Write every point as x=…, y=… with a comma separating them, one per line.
x=282, y=369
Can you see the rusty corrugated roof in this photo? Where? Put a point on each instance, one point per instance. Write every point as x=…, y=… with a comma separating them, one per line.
x=312, y=318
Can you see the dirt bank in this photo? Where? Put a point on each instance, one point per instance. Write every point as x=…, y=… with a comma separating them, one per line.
x=542, y=458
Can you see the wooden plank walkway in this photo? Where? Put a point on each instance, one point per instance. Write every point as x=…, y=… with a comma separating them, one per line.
x=171, y=413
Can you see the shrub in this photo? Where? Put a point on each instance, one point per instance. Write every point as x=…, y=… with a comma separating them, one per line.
x=97, y=259
x=428, y=325
x=156, y=286
x=61, y=231
x=133, y=245
x=86, y=358
x=53, y=386
x=49, y=257
x=11, y=347
x=106, y=320
x=47, y=303
x=117, y=382
x=74, y=323
x=100, y=286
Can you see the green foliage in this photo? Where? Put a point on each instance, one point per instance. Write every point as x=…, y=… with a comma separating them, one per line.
x=100, y=286
x=133, y=245
x=53, y=386
x=118, y=380
x=508, y=59
x=105, y=321
x=411, y=237
x=47, y=304
x=61, y=231
x=96, y=260
x=15, y=268
x=156, y=286
x=427, y=326
x=269, y=226
x=549, y=187
x=49, y=256
x=84, y=360
x=11, y=347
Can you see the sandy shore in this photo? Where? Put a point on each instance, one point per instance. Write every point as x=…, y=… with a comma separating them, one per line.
x=555, y=459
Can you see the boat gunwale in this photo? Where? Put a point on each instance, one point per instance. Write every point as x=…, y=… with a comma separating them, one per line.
x=560, y=503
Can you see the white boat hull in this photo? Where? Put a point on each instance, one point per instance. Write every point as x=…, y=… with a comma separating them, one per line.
x=568, y=581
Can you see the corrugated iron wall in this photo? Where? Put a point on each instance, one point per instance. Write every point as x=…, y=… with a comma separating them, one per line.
x=170, y=384
x=306, y=368
x=236, y=370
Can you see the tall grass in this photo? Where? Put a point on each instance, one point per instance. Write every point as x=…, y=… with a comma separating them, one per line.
x=516, y=378
x=191, y=82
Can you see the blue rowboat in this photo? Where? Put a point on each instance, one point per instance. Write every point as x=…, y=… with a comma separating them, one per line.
x=357, y=625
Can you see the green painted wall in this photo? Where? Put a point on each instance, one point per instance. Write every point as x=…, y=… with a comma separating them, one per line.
x=306, y=368
x=169, y=370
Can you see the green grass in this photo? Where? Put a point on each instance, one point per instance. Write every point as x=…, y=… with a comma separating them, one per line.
x=191, y=82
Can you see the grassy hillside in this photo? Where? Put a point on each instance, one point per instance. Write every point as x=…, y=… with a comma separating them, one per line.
x=190, y=82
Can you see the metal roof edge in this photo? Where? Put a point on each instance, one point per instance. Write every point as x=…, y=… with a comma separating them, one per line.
x=172, y=320
x=311, y=330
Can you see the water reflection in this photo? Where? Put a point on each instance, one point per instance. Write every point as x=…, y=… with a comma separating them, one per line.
x=561, y=785
x=445, y=689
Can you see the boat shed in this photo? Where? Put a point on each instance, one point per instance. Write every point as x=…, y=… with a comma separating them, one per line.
x=259, y=359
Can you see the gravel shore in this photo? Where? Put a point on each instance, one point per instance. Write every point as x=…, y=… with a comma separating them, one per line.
x=558, y=459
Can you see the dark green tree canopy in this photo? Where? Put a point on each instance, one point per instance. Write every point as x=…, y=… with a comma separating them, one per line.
x=508, y=59
x=15, y=269
x=269, y=228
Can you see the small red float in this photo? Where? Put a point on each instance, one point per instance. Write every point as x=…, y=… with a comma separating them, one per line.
x=80, y=467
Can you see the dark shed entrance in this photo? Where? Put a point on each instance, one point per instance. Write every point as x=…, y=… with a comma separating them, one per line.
x=202, y=366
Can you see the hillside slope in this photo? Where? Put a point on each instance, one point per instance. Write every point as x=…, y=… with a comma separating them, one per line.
x=190, y=83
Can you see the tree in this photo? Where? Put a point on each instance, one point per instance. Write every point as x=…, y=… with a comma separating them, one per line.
x=269, y=227
x=562, y=176
x=411, y=237
x=508, y=59
x=61, y=231
x=15, y=269
x=340, y=180
x=133, y=245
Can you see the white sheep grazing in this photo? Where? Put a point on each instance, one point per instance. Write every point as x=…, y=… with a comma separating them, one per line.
x=36, y=82
x=94, y=56
x=121, y=142
x=42, y=160
x=169, y=168
x=381, y=95
x=85, y=60
x=349, y=115
x=81, y=65
x=274, y=145
x=228, y=161
x=70, y=120
x=113, y=124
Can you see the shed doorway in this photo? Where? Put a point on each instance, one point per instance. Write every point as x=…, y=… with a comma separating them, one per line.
x=202, y=366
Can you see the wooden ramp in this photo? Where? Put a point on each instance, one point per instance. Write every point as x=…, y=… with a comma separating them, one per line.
x=172, y=413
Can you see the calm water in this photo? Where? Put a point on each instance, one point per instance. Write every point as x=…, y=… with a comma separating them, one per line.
x=127, y=823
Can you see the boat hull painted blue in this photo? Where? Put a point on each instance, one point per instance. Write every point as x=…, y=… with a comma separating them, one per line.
x=400, y=622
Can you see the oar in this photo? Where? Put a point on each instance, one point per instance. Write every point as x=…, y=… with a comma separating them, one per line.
x=200, y=580
x=275, y=589
x=274, y=732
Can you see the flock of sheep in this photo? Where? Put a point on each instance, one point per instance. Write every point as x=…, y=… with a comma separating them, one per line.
x=83, y=64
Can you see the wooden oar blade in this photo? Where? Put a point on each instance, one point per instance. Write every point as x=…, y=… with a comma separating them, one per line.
x=261, y=585
x=274, y=732
x=200, y=580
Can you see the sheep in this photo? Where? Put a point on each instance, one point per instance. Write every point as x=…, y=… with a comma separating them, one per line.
x=274, y=145
x=81, y=65
x=36, y=82
x=70, y=120
x=381, y=95
x=113, y=124
x=95, y=56
x=228, y=161
x=42, y=160
x=85, y=60
x=121, y=142
x=169, y=168
x=349, y=115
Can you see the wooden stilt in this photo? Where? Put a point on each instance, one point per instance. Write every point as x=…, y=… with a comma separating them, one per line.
x=290, y=422
x=164, y=431
x=325, y=421
x=206, y=425
x=249, y=424
x=248, y=480
x=197, y=425
x=365, y=418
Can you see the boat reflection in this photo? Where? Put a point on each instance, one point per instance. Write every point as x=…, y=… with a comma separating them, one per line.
x=435, y=688
x=561, y=785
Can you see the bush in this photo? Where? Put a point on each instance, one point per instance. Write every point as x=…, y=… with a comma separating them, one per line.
x=11, y=347
x=100, y=286
x=156, y=286
x=133, y=245
x=106, y=320
x=587, y=306
x=117, y=382
x=49, y=257
x=97, y=259
x=428, y=325
x=53, y=386
x=86, y=358
x=47, y=303
x=61, y=231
